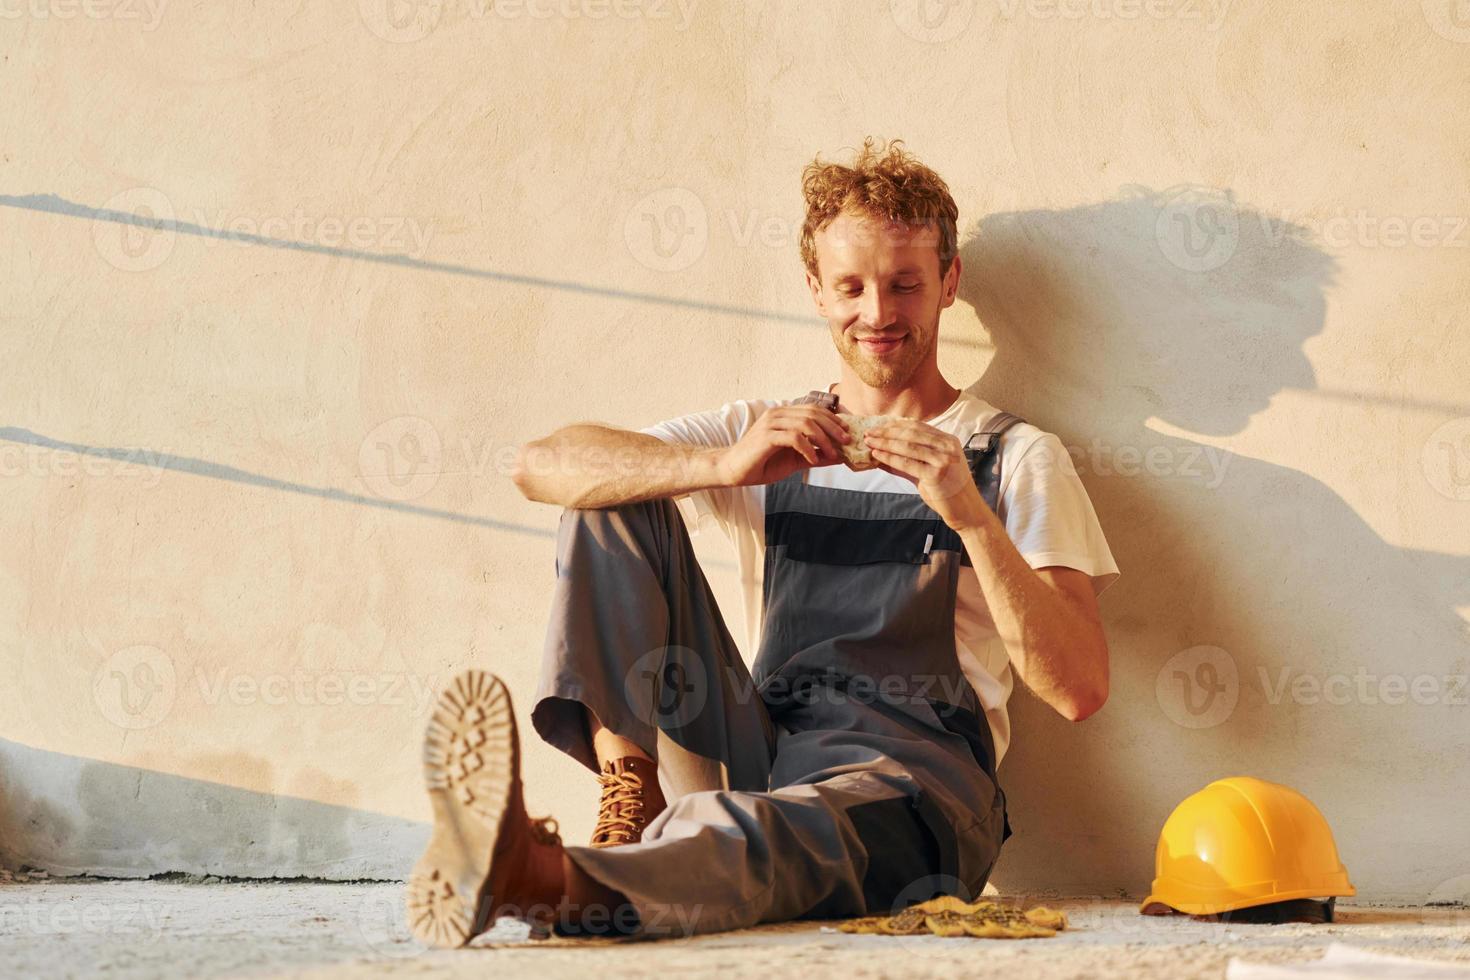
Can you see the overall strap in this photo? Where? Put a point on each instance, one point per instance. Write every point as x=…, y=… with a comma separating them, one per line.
x=990, y=435
x=823, y=398
x=985, y=458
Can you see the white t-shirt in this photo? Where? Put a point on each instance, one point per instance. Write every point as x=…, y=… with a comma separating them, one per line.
x=1042, y=504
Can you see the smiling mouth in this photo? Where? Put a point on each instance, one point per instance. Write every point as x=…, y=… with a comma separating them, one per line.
x=881, y=346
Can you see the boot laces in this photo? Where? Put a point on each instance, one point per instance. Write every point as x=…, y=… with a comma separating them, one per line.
x=620, y=814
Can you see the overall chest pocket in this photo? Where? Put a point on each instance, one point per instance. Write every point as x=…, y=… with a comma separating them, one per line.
x=829, y=540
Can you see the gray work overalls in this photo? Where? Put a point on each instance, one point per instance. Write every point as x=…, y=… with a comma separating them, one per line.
x=876, y=787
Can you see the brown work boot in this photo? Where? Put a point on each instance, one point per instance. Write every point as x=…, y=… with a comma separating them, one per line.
x=631, y=798
x=486, y=857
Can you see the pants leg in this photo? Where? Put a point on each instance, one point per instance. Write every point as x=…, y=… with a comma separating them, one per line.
x=851, y=844
x=636, y=638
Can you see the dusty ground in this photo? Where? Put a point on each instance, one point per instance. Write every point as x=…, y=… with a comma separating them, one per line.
x=193, y=929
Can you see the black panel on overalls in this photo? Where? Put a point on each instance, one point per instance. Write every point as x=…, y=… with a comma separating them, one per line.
x=858, y=644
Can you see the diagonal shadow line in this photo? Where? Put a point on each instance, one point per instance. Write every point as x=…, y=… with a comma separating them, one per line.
x=218, y=471
x=52, y=204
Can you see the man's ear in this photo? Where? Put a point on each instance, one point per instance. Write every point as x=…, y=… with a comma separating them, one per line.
x=815, y=285
x=951, y=283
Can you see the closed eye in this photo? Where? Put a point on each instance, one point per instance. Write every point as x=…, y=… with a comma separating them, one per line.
x=900, y=288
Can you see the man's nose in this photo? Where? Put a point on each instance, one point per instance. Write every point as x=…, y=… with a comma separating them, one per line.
x=876, y=311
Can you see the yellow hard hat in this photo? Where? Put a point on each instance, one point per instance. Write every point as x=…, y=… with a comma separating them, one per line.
x=1243, y=842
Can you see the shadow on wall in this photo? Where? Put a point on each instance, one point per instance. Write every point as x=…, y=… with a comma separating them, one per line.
x=69, y=815
x=147, y=201
x=1239, y=575
x=156, y=462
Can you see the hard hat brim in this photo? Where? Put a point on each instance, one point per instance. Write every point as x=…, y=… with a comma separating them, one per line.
x=1157, y=904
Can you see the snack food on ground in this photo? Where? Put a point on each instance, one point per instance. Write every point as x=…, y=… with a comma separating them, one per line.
x=950, y=916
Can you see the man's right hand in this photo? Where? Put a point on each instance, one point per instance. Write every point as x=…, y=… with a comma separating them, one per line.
x=782, y=441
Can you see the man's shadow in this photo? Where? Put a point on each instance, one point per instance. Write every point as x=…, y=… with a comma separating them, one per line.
x=1108, y=320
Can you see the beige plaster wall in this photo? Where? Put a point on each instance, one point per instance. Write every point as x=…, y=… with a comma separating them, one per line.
x=282, y=283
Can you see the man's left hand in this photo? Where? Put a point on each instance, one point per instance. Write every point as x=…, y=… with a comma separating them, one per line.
x=935, y=460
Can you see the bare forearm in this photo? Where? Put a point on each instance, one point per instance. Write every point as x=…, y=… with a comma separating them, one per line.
x=1057, y=649
x=590, y=466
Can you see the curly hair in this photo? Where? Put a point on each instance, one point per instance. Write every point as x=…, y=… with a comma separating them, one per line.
x=886, y=182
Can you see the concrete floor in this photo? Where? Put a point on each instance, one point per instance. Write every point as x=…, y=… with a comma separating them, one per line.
x=128, y=929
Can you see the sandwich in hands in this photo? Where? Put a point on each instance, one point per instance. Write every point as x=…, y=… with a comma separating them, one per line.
x=856, y=454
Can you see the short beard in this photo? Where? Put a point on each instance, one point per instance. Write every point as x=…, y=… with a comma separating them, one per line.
x=885, y=374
